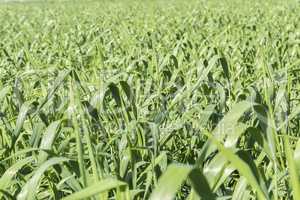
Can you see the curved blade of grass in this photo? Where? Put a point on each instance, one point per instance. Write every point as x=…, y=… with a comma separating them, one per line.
x=18, y=153
x=29, y=189
x=239, y=189
x=185, y=92
x=58, y=81
x=9, y=174
x=173, y=178
x=294, y=176
x=227, y=126
x=243, y=168
x=21, y=118
x=267, y=125
x=48, y=140
x=74, y=98
x=98, y=187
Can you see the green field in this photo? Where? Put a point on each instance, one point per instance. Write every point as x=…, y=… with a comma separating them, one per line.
x=143, y=99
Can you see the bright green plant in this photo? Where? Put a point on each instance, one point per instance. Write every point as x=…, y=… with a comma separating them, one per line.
x=150, y=100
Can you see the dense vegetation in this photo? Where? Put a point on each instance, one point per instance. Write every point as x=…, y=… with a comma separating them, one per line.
x=150, y=99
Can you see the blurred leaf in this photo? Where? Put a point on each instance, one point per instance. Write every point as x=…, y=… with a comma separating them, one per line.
x=174, y=177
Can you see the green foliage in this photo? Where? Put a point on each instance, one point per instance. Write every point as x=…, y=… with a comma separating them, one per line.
x=150, y=100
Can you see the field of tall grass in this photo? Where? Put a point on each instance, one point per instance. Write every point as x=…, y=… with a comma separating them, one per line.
x=151, y=100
